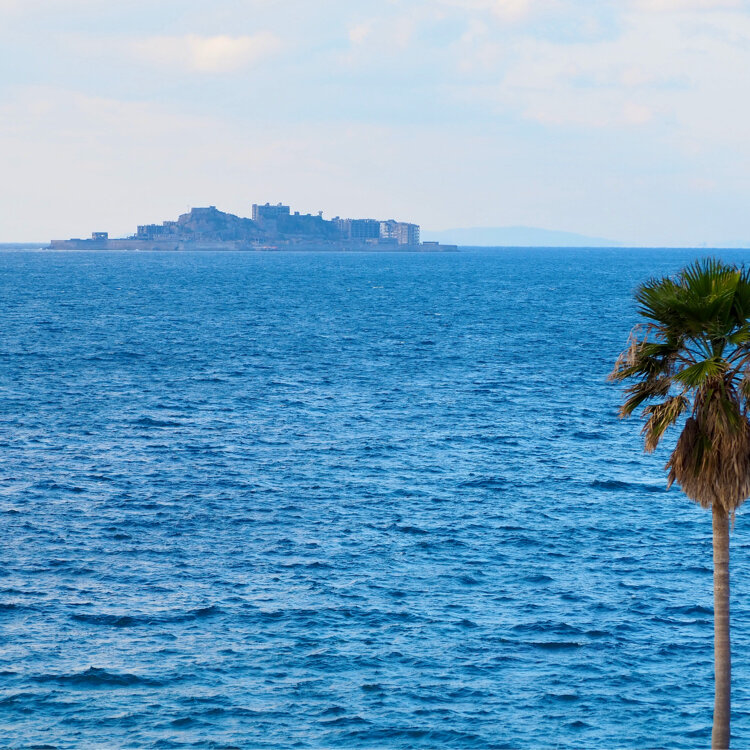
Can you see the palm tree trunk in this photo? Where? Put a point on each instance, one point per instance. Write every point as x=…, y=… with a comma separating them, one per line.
x=722, y=653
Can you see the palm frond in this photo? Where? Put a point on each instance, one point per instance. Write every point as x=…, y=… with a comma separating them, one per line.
x=701, y=373
x=659, y=417
x=712, y=467
x=642, y=391
x=644, y=358
x=692, y=355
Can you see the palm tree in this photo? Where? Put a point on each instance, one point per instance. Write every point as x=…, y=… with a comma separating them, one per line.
x=691, y=357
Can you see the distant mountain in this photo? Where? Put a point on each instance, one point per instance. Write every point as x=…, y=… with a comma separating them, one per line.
x=514, y=237
x=729, y=245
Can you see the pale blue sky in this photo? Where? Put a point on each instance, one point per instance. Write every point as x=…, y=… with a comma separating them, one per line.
x=626, y=120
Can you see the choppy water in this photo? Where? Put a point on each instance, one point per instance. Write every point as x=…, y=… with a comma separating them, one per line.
x=367, y=501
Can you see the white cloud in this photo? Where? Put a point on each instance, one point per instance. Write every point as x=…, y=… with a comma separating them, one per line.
x=636, y=114
x=686, y=5
x=359, y=33
x=686, y=78
x=382, y=33
x=505, y=10
x=511, y=9
x=207, y=54
x=607, y=109
x=33, y=7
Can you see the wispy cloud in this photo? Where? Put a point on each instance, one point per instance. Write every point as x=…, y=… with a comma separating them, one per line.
x=360, y=32
x=682, y=5
x=654, y=72
x=207, y=54
x=35, y=7
x=505, y=10
x=561, y=112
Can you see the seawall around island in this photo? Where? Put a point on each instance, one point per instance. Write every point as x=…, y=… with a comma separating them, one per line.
x=239, y=246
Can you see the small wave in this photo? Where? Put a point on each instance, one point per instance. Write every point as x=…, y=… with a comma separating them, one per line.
x=46, y=484
x=401, y=736
x=563, y=697
x=699, y=569
x=558, y=628
x=672, y=621
x=203, y=612
x=129, y=621
x=410, y=530
x=17, y=699
x=300, y=615
x=345, y=721
x=115, y=621
x=691, y=609
x=703, y=732
x=99, y=478
x=614, y=484
x=307, y=566
x=493, y=483
x=97, y=677
x=183, y=721
x=468, y=580
x=556, y=645
x=151, y=422
x=537, y=578
x=235, y=711
x=318, y=566
x=401, y=617
x=581, y=435
x=468, y=624
x=610, y=484
x=502, y=439
x=335, y=710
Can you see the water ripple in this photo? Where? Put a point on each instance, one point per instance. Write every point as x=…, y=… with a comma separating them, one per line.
x=320, y=500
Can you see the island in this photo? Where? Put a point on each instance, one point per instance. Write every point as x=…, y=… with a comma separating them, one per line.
x=272, y=227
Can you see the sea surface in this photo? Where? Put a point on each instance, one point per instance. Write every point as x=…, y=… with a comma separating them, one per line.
x=344, y=501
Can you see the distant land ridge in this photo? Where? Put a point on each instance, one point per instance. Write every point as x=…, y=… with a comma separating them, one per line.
x=272, y=227
x=516, y=237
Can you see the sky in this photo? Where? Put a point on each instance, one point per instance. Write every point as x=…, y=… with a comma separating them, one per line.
x=626, y=120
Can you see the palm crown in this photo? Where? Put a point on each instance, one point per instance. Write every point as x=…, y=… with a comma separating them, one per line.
x=692, y=356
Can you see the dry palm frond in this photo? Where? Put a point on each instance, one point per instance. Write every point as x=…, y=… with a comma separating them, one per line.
x=712, y=466
x=660, y=416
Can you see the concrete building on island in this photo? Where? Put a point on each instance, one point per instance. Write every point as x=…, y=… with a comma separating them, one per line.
x=400, y=231
x=268, y=212
x=358, y=229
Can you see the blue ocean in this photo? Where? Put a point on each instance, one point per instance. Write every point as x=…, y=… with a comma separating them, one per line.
x=289, y=500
